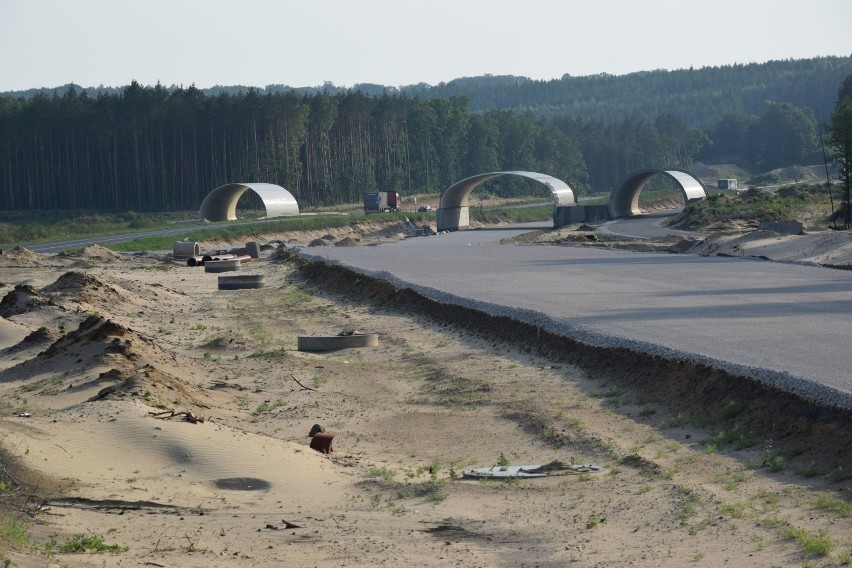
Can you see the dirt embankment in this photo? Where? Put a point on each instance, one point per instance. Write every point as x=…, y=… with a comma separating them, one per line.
x=689, y=387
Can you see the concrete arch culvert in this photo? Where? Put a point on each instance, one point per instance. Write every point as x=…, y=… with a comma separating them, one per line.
x=454, y=211
x=221, y=203
x=624, y=201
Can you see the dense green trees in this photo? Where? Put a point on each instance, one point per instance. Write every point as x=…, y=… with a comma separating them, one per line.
x=840, y=141
x=700, y=96
x=157, y=148
x=782, y=134
x=612, y=151
x=148, y=148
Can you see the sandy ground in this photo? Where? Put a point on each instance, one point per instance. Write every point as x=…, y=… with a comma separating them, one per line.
x=94, y=347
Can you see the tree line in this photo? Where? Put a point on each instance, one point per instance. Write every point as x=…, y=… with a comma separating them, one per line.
x=152, y=148
x=699, y=96
x=839, y=142
x=149, y=148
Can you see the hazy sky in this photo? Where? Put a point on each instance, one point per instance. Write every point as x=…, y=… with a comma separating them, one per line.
x=47, y=43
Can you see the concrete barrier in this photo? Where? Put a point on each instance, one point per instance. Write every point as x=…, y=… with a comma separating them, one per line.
x=253, y=249
x=242, y=282
x=578, y=214
x=335, y=342
x=229, y=265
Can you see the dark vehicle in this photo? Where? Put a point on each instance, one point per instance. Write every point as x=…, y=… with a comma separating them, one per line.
x=381, y=201
x=424, y=208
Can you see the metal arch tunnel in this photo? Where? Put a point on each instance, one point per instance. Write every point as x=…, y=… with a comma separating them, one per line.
x=624, y=201
x=454, y=211
x=221, y=203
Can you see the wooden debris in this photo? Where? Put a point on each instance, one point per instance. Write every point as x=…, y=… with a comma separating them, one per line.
x=300, y=384
x=187, y=416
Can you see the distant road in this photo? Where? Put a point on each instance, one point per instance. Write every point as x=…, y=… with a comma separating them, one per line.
x=80, y=243
x=647, y=226
x=123, y=238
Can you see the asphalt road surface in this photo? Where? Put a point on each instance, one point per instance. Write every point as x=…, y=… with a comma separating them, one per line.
x=648, y=226
x=787, y=324
x=59, y=246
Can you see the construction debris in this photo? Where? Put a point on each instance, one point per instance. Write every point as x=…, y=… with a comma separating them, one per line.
x=531, y=471
x=321, y=442
x=187, y=416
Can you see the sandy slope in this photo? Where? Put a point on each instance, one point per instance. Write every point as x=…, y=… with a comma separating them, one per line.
x=126, y=336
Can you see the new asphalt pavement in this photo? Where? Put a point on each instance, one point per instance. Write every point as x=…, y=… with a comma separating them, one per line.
x=786, y=324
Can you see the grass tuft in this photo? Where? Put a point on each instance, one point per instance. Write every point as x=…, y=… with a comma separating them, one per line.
x=82, y=543
x=813, y=545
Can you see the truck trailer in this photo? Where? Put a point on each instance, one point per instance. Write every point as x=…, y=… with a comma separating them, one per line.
x=382, y=201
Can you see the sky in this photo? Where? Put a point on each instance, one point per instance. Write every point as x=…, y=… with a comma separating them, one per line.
x=305, y=43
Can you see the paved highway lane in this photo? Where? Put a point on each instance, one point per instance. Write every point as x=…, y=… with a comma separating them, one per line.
x=123, y=238
x=80, y=243
x=648, y=226
x=780, y=322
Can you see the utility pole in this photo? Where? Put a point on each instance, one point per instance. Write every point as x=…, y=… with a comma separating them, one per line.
x=407, y=156
x=827, y=178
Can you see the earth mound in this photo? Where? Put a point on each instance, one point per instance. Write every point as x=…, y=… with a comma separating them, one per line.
x=22, y=299
x=41, y=336
x=97, y=252
x=114, y=298
x=103, y=358
x=19, y=256
x=347, y=242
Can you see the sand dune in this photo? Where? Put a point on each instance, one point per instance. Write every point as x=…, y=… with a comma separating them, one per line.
x=11, y=333
x=117, y=450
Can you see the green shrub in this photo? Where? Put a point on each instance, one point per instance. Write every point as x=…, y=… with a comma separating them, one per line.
x=814, y=545
x=82, y=543
x=737, y=437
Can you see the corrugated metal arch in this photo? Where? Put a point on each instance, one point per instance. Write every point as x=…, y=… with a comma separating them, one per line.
x=624, y=201
x=454, y=198
x=221, y=203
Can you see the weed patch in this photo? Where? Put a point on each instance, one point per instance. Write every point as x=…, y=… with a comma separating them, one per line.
x=812, y=544
x=82, y=543
x=735, y=437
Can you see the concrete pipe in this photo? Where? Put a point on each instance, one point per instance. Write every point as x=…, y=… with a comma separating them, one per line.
x=335, y=342
x=228, y=265
x=185, y=249
x=253, y=249
x=246, y=282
